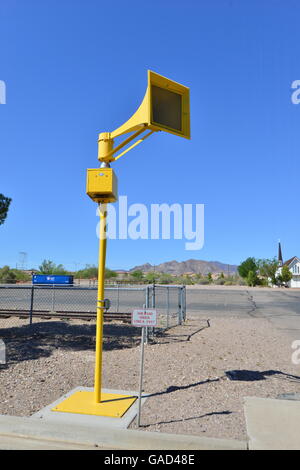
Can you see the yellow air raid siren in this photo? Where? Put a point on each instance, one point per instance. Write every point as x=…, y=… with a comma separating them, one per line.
x=165, y=107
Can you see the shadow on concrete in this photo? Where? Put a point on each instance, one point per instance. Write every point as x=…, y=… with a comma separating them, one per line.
x=254, y=375
x=27, y=342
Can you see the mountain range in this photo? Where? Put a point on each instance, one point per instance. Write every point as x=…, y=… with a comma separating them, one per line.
x=190, y=266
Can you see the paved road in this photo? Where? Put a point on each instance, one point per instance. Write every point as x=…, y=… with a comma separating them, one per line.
x=219, y=302
x=280, y=306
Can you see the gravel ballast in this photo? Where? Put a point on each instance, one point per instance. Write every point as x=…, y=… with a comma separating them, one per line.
x=197, y=374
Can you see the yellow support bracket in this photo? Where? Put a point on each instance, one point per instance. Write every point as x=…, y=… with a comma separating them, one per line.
x=105, y=139
x=133, y=145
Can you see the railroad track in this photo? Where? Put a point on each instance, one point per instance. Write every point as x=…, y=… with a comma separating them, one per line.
x=87, y=316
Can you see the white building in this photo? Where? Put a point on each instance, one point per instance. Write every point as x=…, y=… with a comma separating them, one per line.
x=294, y=266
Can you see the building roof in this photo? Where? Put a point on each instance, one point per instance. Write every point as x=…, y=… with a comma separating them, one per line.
x=289, y=261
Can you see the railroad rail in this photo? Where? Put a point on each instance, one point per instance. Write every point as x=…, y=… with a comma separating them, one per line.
x=88, y=316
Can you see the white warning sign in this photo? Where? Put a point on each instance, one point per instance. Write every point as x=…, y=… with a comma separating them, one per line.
x=144, y=317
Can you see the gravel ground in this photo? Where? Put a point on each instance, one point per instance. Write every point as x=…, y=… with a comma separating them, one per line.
x=185, y=373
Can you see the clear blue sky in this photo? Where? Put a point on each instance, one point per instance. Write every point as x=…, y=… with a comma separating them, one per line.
x=75, y=68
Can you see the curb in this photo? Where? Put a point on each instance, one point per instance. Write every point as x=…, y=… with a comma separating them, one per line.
x=50, y=434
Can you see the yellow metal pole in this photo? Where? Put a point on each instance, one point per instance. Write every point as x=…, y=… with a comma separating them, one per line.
x=100, y=301
x=105, y=145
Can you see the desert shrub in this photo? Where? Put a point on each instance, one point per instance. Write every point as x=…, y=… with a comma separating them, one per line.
x=203, y=281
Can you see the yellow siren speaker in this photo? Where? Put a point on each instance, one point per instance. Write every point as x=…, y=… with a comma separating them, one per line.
x=102, y=185
x=165, y=107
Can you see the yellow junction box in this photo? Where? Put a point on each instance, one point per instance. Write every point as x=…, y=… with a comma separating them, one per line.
x=102, y=184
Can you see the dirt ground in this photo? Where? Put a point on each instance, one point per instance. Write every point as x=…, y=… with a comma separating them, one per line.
x=187, y=371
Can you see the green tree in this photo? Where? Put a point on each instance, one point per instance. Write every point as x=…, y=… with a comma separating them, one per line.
x=152, y=277
x=89, y=272
x=20, y=275
x=198, y=277
x=248, y=265
x=7, y=276
x=267, y=269
x=209, y=277
x=186, y=280
x=137, y=275
x=285, y=276
x=109, y=274
x=252, y=279
x=48, y=267
x=4, y=206
x=166, y=278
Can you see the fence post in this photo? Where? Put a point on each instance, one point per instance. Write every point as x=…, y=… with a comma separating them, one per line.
x=147, y=296
x=183, y=303
x=153, y=296
x=53, y=298
x=180, y=311
x=168, y=306
x=181, y=316
x=31, y=304
x=118, y=297
x=147, y=305
x=153, y=305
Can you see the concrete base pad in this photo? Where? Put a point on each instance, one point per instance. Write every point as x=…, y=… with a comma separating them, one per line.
x=65, y=410
x=83, y=402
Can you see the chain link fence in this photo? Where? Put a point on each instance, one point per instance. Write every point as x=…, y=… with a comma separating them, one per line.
x=40, y=301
